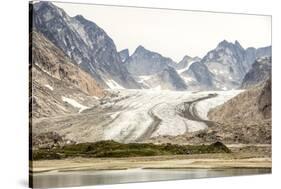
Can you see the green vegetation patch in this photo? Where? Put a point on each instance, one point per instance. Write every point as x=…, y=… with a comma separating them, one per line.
x=111, y=149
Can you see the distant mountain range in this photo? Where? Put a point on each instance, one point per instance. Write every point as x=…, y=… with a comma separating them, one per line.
x=229, y=62
x=90, y=48
x=153, y=70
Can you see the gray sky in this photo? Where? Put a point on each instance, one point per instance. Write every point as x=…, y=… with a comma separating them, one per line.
x=174, y=33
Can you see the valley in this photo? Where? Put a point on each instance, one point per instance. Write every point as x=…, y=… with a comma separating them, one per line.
x=137, y=115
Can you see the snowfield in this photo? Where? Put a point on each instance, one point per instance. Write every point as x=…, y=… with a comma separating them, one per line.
x=143, y=114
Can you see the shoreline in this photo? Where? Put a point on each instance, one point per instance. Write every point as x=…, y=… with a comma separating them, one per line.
x=107, y=164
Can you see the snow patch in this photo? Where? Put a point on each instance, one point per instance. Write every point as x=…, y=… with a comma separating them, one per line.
x=74, y=103
x=95, y=97
x=187, y=79
x=49, y=87
x=113, y=84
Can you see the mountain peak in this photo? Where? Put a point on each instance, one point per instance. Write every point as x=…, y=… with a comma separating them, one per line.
x=49, y=10
x=186, y=58
x=140, y=48
x=124, y=54
x=238, y=44
x=79, y=16
x=124, y=51
x=224, y=43
x=44, y=4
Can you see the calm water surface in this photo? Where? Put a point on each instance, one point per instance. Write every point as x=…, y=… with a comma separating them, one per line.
x=84, y=178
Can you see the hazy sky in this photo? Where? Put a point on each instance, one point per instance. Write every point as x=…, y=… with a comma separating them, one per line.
x=174, y=33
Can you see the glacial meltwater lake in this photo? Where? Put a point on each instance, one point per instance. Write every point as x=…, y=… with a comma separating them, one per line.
x=85, y=178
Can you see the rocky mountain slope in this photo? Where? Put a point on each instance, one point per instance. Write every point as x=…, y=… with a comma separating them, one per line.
x=124, y=55
x=146, y=62
x=84, y=42
x=246, y=117
x=167, y=79
x=260, y=72
x=229, y=62
x=198, y=77
x=185, y=63
x=250, y=106
x=152, y=70
x=58, y=85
